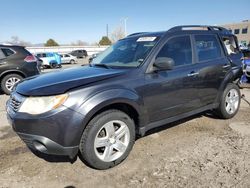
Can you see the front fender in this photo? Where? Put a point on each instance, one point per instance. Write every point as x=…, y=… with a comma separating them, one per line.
x=105, y=98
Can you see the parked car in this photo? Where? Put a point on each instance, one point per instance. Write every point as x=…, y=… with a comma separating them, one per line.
x=246, y=64
x=68, y=58
x=16, y=63
x=79, y=53
x=50, y=59
x=141, y=82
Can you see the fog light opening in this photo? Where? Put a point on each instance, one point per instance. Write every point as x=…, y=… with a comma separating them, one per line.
x=39, y=146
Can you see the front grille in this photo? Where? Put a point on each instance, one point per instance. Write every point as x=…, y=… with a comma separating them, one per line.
x=15, y=104
x=15, y=101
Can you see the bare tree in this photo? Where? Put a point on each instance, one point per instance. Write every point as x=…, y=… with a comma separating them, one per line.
x=79, y=43
x=117, y=34
x=17, y=41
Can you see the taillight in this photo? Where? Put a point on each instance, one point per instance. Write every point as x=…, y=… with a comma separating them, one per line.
x=30, y=58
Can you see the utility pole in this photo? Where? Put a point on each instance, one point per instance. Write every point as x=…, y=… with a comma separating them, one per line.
x=125, y=25
x=107, y=30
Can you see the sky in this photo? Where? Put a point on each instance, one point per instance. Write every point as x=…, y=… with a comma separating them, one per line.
x=36, y=21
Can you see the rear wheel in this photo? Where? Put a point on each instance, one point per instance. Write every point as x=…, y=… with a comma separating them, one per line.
x=9, y=81
x=72, y=61
x=230, y=102
x=53, y=65
x=107, y=139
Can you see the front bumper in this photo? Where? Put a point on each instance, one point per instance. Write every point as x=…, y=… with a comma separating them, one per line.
x=45, y=145
x=57, y=132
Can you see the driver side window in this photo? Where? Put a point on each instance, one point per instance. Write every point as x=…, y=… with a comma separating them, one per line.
x=179, y=49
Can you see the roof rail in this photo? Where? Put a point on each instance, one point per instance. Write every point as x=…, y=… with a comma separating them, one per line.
x=198, y=27
x=136, y=34
x=6, y=44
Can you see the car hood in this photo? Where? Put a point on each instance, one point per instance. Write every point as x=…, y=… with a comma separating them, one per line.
x=61, y=81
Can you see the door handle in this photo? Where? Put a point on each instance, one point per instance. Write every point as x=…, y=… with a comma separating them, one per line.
x=226, y=66
x=193, y=74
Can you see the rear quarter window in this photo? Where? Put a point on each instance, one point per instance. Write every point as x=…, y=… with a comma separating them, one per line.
x=2, y=56
x=7, y=52
x=207, y=47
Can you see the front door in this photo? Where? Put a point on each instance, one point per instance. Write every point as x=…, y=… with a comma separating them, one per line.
x=173, y=92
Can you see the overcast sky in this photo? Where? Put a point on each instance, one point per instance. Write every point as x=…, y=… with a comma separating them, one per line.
x=67, y=21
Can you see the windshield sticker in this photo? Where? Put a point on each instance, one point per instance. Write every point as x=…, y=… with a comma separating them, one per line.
x=146, y=39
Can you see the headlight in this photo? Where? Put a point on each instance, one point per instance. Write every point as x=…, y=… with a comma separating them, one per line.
x=39, y=105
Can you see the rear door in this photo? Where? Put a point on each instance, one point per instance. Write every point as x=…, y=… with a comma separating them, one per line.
x=212, y=65
x=2, y=60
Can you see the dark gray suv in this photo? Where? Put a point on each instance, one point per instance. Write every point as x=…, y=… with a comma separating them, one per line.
x=16, y=63
x=143, y=81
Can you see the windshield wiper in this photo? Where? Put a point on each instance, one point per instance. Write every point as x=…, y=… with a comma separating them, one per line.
x=101, y=65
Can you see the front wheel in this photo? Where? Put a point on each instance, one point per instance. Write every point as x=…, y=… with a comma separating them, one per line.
x=107, y=139
x=230, y=102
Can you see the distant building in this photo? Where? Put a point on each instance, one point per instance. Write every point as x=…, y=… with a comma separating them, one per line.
x=241, y=30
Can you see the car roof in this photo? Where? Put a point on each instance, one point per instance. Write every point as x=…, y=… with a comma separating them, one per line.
x=147, y=34
x=10, y=45
x=184, y=29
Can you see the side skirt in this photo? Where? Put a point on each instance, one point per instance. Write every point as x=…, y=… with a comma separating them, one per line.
x=143, y=130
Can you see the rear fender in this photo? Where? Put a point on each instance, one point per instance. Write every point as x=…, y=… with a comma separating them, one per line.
x=229, y=78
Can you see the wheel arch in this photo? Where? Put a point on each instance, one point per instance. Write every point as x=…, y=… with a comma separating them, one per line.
x=12, y=72
x=229, y=78
x=124, y=100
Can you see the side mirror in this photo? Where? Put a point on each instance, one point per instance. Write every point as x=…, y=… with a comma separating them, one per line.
x=164, y=63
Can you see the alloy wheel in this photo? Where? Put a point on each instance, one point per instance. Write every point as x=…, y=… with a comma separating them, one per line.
x=112, y=140
x=11, y=82
x=232, y=101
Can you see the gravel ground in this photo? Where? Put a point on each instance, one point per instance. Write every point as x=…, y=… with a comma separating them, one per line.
x=200, y=151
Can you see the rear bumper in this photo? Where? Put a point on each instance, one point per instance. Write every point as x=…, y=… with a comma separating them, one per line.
x=45, y=145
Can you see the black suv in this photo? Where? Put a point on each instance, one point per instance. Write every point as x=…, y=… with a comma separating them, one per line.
x=143, y=81
x=79, y=53
x=16, y=63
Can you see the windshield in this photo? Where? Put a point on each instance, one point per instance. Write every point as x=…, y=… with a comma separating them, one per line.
x=126, y=53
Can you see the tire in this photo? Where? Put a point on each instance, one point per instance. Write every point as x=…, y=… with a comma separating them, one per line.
x=9, y=81
x=230, y=102
x=53, y=65
x=72, y=61
x=248, y=79
x=99, y=131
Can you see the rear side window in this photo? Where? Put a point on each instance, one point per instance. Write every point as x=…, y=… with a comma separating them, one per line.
x=7, y=52
x=179, y=49
x=207, y=47
x=230, y=44
x=2, y=56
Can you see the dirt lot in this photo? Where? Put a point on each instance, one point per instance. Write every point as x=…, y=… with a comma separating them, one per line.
x=201, y=151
